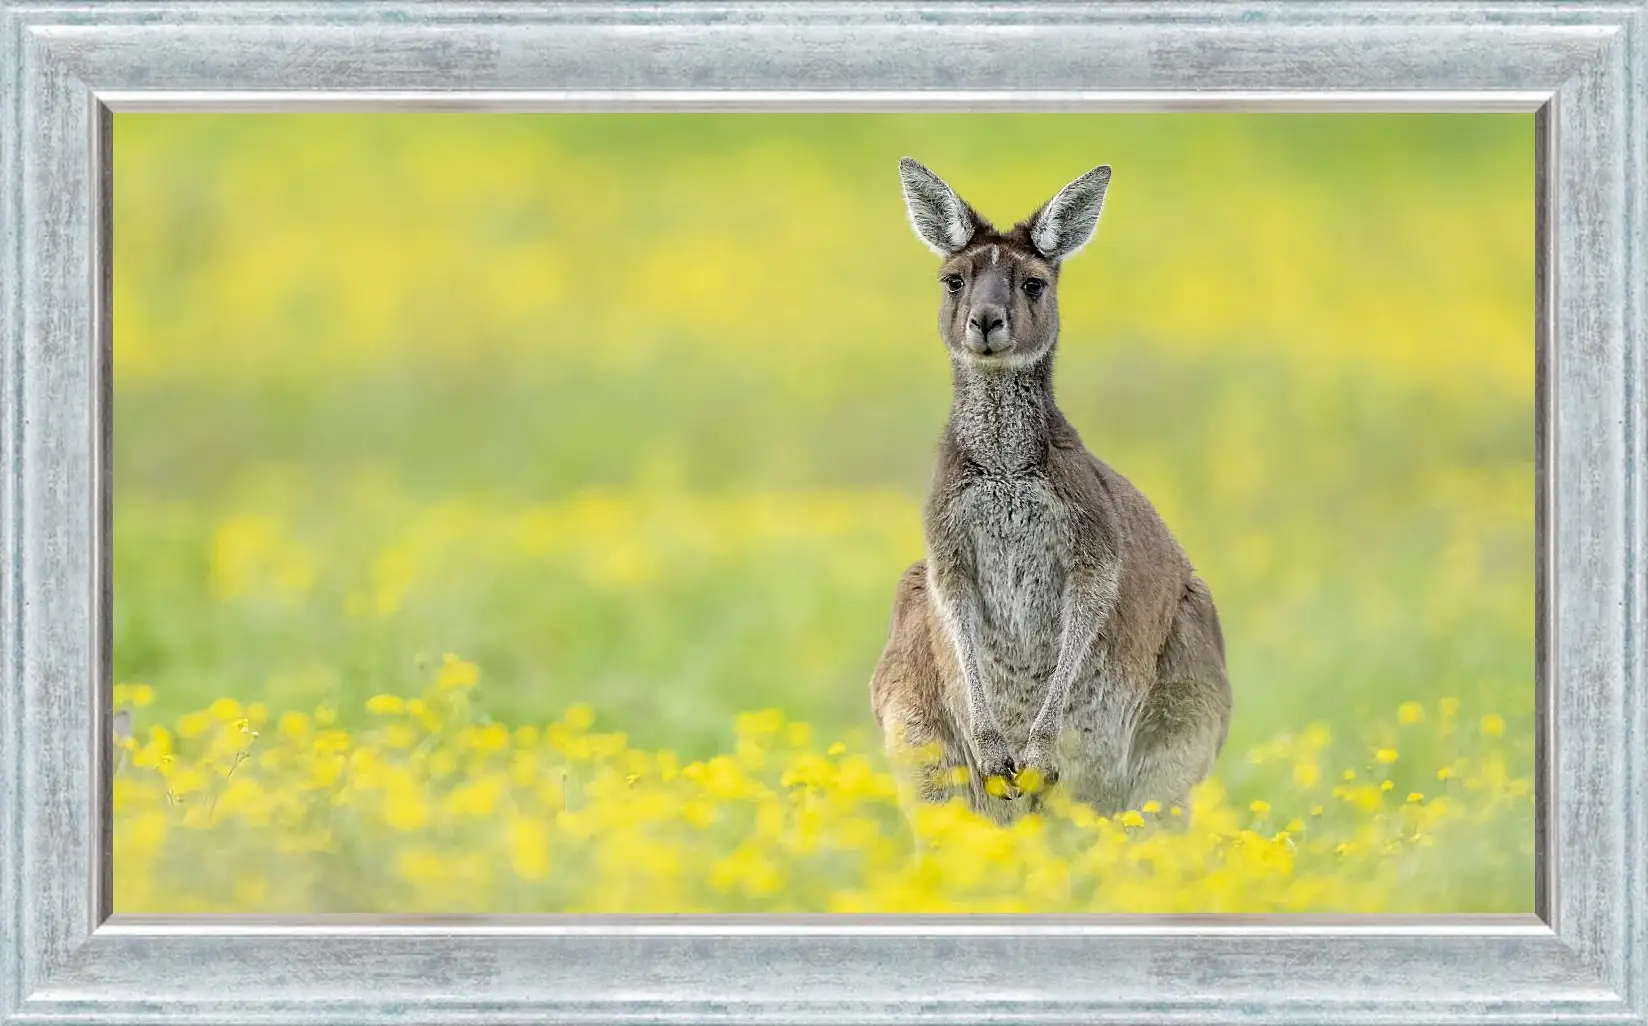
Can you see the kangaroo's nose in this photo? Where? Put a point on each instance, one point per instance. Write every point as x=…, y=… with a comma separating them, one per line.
x=987, y=319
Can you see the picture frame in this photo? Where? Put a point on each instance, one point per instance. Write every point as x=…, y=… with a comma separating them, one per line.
x=67, y=68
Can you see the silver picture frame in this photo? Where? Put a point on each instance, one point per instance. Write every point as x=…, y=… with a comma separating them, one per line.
x=1580, y=67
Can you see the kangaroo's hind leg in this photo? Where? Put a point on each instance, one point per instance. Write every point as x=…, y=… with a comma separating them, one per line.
x=1186, y=717
x=907, y=693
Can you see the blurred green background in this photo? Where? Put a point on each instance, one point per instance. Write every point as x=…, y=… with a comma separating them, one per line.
x=639, y=411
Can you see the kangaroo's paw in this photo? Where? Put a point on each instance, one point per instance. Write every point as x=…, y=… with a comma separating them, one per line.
x=1038, y=769
x=996, y=765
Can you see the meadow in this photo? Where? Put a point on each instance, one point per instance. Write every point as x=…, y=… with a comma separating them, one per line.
x=507, y=507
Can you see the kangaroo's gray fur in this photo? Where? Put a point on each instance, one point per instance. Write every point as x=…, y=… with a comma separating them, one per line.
x=1055, y=625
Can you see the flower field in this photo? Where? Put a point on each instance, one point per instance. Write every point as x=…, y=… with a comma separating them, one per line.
x=507, y=508
x=429, y=803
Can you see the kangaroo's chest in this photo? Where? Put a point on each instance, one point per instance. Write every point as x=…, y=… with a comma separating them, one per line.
x=1016, y=532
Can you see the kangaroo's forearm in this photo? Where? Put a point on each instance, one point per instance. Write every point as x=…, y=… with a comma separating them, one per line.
x=1089, y=599
x=958, y=608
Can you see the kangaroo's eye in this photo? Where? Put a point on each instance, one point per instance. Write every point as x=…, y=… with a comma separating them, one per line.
x=953, y=282
x=1033, y=287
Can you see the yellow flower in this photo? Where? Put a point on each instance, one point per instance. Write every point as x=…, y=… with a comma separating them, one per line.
x=1444, y=773
x=1152, y=807
x=798, y=735
x=1386, y=785
x=1132, y=819
x=1415, y=797
x=443, y=764
x=1306, y=774
x=1410, y=712
x=1386, y=755
x=699, y=813
x=494, y=737
x=187, y=780
x=385, y=705
x=529, y=848
x=140, y=695
x=1261, y=808
x=1450, y=707
x=455, y=674
x=477, y=798
x=224, y=709
x=1029, y=780
x=836, y=748
x=579, y=717
x=427, y=717
x=760, y=724
x=1493, y=725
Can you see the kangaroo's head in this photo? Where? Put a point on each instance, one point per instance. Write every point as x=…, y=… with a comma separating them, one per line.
x=999, y=290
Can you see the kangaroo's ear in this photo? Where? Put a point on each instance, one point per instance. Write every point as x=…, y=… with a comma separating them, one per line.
x=941, y=218
x=1068, y=220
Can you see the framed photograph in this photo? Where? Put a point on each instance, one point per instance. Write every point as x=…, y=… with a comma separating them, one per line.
x=835, y=512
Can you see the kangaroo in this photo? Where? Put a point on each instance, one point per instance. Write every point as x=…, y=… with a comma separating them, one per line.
x=1056, y=634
